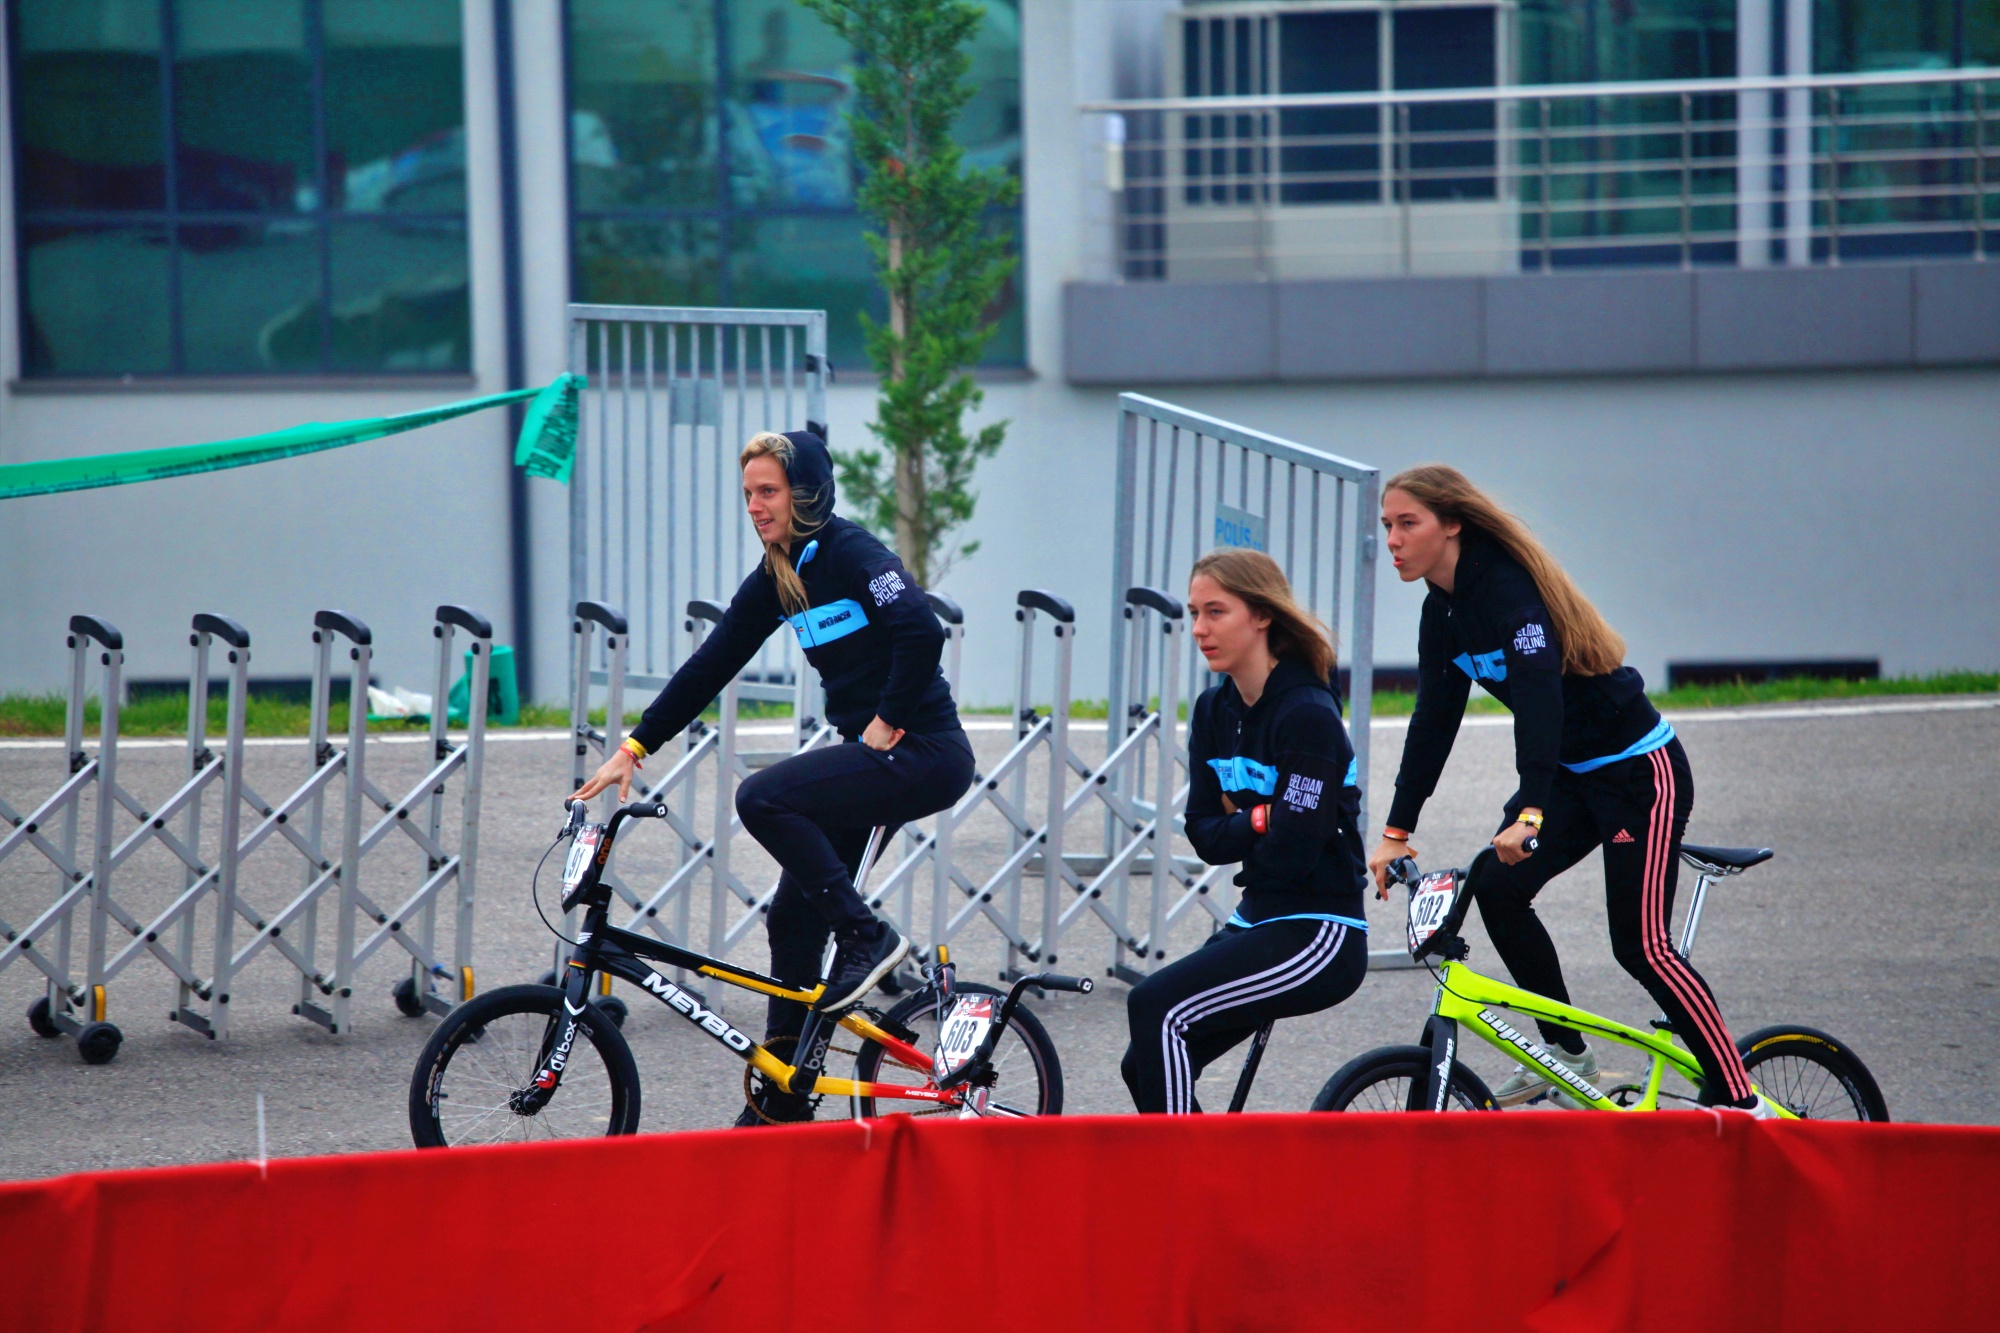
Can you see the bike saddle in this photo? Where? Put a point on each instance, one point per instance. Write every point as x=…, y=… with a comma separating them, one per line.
x=1724, y=860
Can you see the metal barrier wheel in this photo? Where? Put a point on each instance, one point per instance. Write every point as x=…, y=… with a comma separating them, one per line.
x=38, y=1019
x=409, y=1000
x=98, y=1043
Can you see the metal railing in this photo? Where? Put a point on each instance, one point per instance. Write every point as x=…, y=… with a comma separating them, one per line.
x=1820, y=169
x=655, y=517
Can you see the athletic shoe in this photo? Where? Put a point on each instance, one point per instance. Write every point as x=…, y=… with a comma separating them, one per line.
x=774, y=1108
x=1527, y=1083
x=859, y=962
x=1765, y=1109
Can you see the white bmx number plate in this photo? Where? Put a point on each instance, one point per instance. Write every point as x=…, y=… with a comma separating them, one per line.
x=1430, y=903
x=580, y=853
x=964, y=1028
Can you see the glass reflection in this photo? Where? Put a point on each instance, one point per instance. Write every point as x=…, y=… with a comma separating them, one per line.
x=94, y=301
x=395, y=106
x=790, y=90
x=642, y=103
x=245, y=294
x=243, y=108
x=87, y=104
x=400, y=297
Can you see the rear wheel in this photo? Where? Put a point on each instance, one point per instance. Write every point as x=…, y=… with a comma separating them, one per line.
x=1812, y=1075
x=1028, y=1072
x=1392, y=1078
x=474, y=1082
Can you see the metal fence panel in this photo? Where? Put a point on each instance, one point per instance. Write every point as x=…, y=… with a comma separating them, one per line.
x=655, y=519
x=1183, y=477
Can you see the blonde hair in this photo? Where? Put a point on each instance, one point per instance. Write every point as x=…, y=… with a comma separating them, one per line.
x=1590, y=647
x=806, y=520
x=1296, y=634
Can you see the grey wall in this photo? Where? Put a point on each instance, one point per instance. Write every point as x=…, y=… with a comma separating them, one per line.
x=1861, y=315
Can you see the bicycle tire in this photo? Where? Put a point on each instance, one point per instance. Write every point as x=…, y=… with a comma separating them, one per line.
x=495, y=1042
x=1025, y=1052
x=1841, y=1089
x=1386, y=1079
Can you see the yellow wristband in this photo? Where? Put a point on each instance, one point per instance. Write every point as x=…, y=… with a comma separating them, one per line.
x=633, y=748
x=1532, y=821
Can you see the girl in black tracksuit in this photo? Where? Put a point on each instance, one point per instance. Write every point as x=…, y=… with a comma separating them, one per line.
x=1594, y=758
x=1272, y=786
x=869, y=632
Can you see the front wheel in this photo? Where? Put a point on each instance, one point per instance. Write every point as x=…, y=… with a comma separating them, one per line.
x=474, y=1082
x=1028, y=1073
x=1812, y=1075
x=1392, y=1078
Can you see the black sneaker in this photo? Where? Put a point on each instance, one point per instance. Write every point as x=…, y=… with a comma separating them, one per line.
x=774, y=1108
x=859, y=962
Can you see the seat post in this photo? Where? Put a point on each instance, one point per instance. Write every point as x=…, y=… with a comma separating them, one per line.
x=1693, y=922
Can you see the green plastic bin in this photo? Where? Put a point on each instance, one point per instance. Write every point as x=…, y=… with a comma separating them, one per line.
x=503, y=690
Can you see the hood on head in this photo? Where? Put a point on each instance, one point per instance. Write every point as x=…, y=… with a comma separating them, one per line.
x=811, y=471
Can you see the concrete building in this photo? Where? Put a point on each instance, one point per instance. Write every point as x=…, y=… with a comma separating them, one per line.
x=1737, y=360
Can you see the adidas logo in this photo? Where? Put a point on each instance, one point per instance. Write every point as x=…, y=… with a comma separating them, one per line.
x=1623, y=836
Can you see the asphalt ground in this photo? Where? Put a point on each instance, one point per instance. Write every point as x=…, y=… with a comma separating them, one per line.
x=1876, y=921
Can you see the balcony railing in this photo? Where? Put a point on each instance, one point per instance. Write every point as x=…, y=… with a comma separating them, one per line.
x=1826, y=169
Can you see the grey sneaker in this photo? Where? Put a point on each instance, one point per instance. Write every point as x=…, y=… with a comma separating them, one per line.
x=1527, y=1082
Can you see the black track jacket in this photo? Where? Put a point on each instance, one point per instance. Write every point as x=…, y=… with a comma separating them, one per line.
x=1289, y=751
x=870, y=633
x=1493, y=628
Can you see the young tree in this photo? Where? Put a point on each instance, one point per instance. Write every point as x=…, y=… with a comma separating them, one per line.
x=939, y=261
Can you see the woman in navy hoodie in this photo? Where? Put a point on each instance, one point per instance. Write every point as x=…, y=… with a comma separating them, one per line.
x=869, y=632
x=1272, y=787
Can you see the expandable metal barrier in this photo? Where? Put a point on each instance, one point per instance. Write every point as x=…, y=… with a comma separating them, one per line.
x=202, y=1001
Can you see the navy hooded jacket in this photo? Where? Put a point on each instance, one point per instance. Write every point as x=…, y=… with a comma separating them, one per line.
x=868, y=630
x=1290, y=751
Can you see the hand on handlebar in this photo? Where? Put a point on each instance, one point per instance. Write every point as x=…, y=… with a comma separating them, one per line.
x=617, y=770
x=1515, y=843
x=1387, y=850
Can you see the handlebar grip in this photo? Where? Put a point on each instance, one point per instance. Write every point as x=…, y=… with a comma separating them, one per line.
x=1532, y=845
x=1404, y=870
x=1081, y=985
x=644, y=810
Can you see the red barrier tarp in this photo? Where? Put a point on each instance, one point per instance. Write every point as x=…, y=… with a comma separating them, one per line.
x=1671, y=1221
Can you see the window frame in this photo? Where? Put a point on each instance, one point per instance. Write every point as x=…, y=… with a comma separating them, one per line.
x=170, y=218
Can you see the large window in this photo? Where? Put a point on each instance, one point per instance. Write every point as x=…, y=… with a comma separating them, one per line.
x=240, y=187
x=710, y=162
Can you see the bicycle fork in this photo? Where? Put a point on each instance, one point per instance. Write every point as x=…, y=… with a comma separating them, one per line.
x=1440, y=1038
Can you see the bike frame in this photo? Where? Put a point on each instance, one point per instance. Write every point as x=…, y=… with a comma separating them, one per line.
x=1467, y=998
x=604, y=950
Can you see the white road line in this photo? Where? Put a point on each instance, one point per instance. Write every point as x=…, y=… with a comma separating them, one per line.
x=1764, y=713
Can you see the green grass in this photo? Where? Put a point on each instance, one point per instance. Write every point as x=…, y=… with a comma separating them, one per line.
x=166, y=714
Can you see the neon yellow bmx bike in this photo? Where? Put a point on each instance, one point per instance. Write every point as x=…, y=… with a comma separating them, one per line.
x=1806, y=1073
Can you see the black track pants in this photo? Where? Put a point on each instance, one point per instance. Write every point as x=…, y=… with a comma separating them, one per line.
x=813, y=812
x=1636, y=810
x=1190, y=1012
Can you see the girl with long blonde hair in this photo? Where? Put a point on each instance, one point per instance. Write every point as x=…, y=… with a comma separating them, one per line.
x=1272, y=786
x=1598, y=765
x=868, y=630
